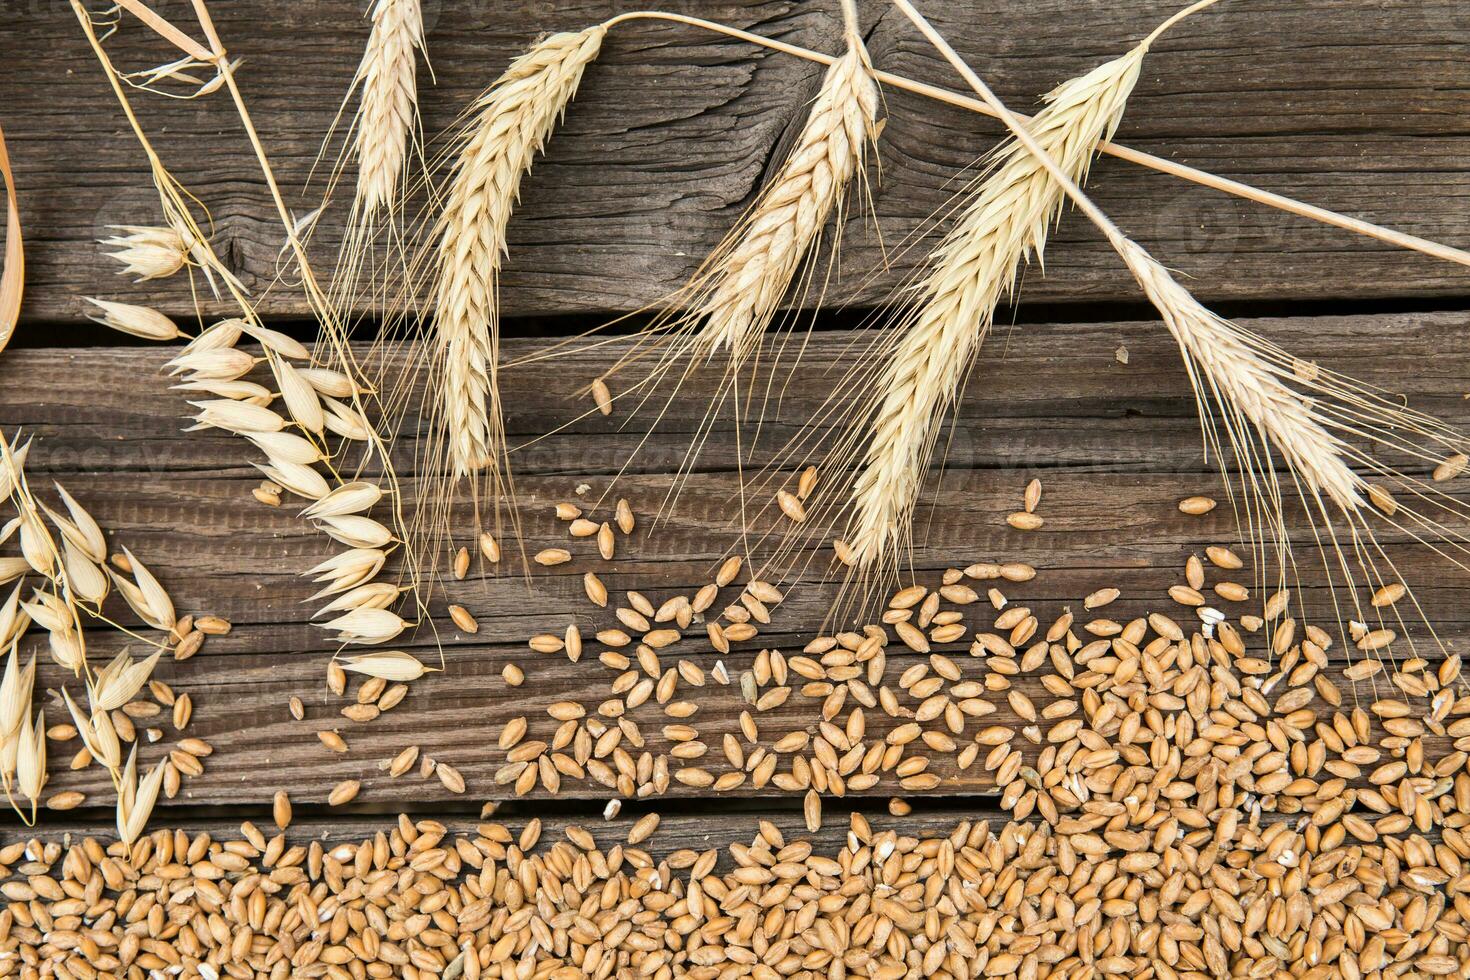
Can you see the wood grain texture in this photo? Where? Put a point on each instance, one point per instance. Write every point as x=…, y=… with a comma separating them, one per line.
x=1116, y=447
x=675, y=831
x=1353, y=105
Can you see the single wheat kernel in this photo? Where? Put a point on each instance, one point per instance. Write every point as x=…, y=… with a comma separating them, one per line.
x=807, y=482
x=791, y=506
x=212, y=625
x=1389, y=594
x=403, y=761
x=1451, y=467
x=1232, y=591
x=1196, y=505
x=811, y=810
x=1382, y=499
x=332, y=741
x=461, y=563
x=450, y=777
x=281, y=809
x=553, y=556
x=642, y=829
x=489, y=547
x=344, y=792
x=66, y=800
x=594, y=588
x=189, y=645
x=1223, y=557
x=623, y=516
x=1032, y=496
x=728, y=569
x=463, y=619
x=602, y=397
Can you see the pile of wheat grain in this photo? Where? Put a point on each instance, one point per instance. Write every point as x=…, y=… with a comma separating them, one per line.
x=1121, y=890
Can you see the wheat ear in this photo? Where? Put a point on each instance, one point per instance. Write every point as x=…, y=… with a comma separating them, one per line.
x=1250, y=387
x=388, y=107
x=969, y=273
x=1253, y=385
x=755, y=271
x=511, y=122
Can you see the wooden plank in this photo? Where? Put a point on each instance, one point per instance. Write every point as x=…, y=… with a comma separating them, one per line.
x=1042, y=396
x=1118, y=446
x=240, y=684
x=675, y=129
x=675, y=831
x=455, y=718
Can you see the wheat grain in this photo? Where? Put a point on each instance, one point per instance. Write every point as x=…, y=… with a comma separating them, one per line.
x=511, y=123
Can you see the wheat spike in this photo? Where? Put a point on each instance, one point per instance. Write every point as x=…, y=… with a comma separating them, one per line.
x=755, y=270
x=1217, y=351
x=389, y=101
x=1253, y=384
x=970, y=272
x=511, y=123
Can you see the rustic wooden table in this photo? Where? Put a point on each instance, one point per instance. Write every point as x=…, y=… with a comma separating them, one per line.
x=1350, y=104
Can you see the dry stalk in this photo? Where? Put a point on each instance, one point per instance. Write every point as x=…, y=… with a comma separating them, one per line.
x=1160, y=164
x=734, y=296
x=319, y=399
x=384, y=141
x=511, y=123
x=753, y=269
x=13, y=268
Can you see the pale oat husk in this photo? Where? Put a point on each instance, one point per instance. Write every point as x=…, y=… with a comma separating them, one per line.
x=367, y=626
x=390, y=665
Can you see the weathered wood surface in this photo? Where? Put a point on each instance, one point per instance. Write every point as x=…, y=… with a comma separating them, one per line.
x=1116, y=447
x=675, y=831
x=1351, y=104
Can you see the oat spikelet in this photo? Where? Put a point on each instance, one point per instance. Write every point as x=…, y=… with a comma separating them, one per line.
x=389, y=102
x=755, y=269
x=510, y=124
x=975, y=266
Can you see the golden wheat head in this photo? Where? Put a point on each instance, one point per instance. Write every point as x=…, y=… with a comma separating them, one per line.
x=509, y=125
